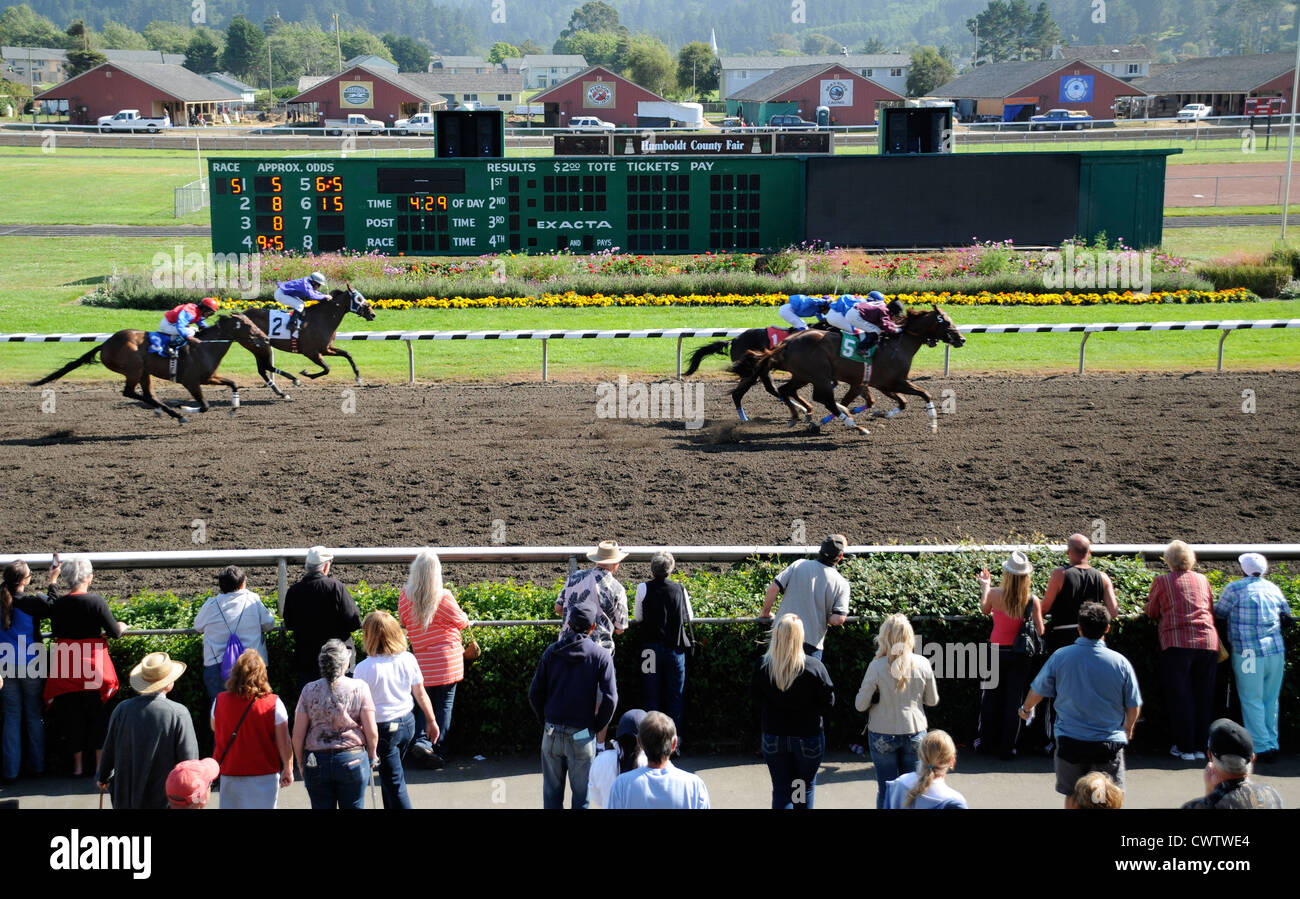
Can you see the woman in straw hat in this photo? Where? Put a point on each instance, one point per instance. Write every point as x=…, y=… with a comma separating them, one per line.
x=1010, y=605
x=147, y=736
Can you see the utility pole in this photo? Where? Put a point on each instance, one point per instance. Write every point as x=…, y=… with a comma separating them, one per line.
x=338, y=43
x=31, y=85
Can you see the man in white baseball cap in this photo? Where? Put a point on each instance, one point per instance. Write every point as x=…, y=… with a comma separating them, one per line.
x=1253, y=609
x=318, y=609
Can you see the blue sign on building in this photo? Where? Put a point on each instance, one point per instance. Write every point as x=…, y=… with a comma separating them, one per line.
x=1076, y=89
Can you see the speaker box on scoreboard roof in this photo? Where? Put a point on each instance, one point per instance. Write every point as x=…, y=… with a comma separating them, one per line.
x=581, y=145
x=469, y=134
x=803, y=142
x=916, y=130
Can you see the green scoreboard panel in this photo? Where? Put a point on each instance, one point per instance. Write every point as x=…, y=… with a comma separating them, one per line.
x=476, y=206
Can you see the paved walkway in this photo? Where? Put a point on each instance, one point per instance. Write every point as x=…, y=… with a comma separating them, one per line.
x=741, y=782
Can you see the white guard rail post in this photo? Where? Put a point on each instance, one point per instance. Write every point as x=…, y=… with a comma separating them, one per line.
x=409, y=337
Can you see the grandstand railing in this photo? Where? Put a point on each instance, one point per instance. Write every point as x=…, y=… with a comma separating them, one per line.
x=545, y=336
x=281, y=558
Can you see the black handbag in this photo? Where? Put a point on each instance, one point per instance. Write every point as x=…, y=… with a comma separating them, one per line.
x=1028, y=641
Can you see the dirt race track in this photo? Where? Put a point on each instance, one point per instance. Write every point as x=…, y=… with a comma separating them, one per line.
x=1154, y=456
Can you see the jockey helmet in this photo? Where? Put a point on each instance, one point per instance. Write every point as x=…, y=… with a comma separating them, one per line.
x=317, y=278
x=876, y=297
x=209, y=304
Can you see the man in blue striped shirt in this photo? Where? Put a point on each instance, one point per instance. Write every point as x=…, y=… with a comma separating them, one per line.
x=1254, y=609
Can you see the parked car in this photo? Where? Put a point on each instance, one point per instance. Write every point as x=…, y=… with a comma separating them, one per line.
x=131, y=120
x=789, y=121
x=590, y=123
x=355, y=123
x=421, y=123
x=1193, y=112
x=733, y=123
x=1059, y=119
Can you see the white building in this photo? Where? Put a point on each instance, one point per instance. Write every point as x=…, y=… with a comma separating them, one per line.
x=541, y=71
x=886, y=69
x=1124, y=61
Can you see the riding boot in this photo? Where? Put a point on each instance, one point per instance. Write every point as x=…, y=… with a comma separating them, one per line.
x=295, y=321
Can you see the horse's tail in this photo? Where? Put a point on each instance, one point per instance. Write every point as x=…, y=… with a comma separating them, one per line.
x=75, y=363
x=759, y=362
x=716, y=348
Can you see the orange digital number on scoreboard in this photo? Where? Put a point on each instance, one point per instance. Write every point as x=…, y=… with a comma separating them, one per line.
x=427, y=203
x=270, y=243
x=328, y=185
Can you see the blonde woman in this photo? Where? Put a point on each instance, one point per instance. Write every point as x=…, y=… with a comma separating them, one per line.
x=1183, y=603
x=898, y=681
x=434, y=623
x=927, y=786
x=794, y=691
x=1010, y=605
x=1095, y=790
x=397, y=688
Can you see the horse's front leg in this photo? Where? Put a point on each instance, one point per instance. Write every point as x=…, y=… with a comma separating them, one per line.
x=234, y=391
x=332, y=350
x=324, y=369
x=909, y=388
x=196, y=391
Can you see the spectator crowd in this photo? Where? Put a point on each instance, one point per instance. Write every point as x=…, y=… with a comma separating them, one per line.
x=360, y=724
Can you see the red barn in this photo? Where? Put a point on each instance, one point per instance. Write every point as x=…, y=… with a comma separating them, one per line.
x=596, y=92
x=1014, y=91
x=799, y=90
x=376, y=93
x=154, y=88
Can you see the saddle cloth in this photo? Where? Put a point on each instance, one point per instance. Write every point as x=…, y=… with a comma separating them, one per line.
x=849, y=349
x=158, y=343
x=776, y=335
x=277, y=325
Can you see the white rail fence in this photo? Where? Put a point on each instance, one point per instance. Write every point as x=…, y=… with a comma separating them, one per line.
x=680, y=334
x=281, y=558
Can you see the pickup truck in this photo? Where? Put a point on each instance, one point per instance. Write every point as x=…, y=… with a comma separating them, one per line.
x=1059, y=120
x=789, y=121
x=590, y=123
x=1193, y=112
x=416, y=124
x=355, y=123
x=131, y=120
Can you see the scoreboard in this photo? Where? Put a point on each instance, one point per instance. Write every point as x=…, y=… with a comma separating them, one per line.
x=476, y=206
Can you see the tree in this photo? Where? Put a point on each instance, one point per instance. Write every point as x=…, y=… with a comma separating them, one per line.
x=874, y=45
x=115, y=36
x=202, y=54
x=929, y=70
x=597, y=49
x=82, y=61
x=820, y=45
x=20, y=26
x=359, y=42
x=501, y=50
x=409, y=54
x=784, y=43
x=697, y=67
x=1008, y=29
x=647, y=62
x=528, y=48
x=245, y=52
x=594, y=16
x=1044, y=34
x=166, y=37
x=78, y=36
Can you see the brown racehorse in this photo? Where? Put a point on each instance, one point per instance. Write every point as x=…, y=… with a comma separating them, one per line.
x=127, y=353
x=320, y=323
x=813, y=357
x=740, y=347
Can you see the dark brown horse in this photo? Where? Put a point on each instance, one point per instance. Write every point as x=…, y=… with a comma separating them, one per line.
x=741, y=347
x=127, y=353
x=813, y=357
x=320, y=324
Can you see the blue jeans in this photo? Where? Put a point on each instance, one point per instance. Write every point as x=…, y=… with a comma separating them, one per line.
x=892, y=755
x=394, y=739
x=793, y=762
x=665, y=681
x=441, y=698
x=213, y=680
x=561, y=752
x=1259, y=681
x=23, y=704
x=338, y=779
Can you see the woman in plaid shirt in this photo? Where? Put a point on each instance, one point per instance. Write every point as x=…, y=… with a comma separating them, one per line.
x=1189, y=649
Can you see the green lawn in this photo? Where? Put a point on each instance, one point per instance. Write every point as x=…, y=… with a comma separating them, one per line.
x=1207, y=243
x=44, y=277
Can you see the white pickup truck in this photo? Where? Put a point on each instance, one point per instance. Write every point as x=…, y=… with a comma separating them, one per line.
x=131, y=120
x=355, y=123
x=421, y=123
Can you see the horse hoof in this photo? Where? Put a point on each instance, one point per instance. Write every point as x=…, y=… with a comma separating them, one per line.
x=181, y=419
x=856, y=409
x=358, y=382
x=742, y=415
x=861, y=430
x=878, y=413
x=192, y=409
x=792, y=422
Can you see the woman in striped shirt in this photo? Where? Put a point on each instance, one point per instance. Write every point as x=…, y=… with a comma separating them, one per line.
x=433, y=621
x=1183, y=603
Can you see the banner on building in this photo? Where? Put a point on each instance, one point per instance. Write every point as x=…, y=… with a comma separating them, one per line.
x=837, y=92
x=598, y=94
x=357, y=95
x=1076, y=89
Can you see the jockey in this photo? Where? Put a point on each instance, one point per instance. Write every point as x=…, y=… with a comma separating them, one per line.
x=184, y=320
x=800, y=307
x=868, y=318
x=293, y=293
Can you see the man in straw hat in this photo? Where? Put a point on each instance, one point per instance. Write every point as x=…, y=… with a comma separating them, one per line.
x=815, y=591
x=147, y=735
x=599, y=585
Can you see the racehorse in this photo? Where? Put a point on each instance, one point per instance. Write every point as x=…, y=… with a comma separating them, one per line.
x=320, y=324
x=813, y=357
x=127, y=353
x=753, y=340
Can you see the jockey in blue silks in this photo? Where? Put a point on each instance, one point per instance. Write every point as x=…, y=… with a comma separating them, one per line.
x=800, y=307
x=294, y=294
x=868, y=318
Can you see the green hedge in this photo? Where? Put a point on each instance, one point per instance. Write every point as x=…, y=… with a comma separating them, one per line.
x=1262, y=280
x=492, y=713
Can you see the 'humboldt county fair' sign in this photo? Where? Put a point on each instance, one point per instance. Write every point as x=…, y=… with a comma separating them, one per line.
x=671, y=143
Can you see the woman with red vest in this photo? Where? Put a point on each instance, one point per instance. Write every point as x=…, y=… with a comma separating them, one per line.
x=252, y=737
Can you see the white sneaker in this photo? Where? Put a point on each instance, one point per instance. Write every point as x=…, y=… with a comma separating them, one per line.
x=1200, y=756
x=1185, y=756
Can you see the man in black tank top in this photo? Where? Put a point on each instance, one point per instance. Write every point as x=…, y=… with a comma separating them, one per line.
x=1070, y=587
